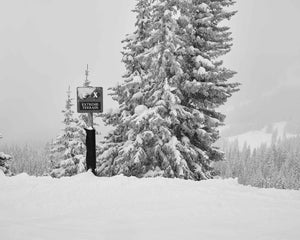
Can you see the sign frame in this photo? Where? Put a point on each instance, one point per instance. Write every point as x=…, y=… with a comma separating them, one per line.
x=89, y=99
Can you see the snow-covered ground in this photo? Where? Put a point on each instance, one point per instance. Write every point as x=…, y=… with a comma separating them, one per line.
x=86, y=207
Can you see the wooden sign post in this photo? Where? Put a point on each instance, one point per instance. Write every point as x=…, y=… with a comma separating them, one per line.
x=90, y=100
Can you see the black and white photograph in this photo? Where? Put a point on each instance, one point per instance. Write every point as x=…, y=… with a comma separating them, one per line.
x=149, y=120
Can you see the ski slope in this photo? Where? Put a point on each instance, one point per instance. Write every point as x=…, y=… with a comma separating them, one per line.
x=86, y=207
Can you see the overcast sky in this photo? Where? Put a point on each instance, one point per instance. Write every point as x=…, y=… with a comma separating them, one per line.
x=266, y=55
x=46, y=44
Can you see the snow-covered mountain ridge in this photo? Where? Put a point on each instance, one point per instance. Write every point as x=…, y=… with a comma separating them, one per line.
x=86, y=207
x=265, y=135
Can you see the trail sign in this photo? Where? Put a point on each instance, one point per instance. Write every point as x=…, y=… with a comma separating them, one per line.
x=90, y=99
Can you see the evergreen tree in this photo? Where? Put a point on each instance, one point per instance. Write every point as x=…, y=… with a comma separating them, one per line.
x=269, y=166
x=67, y=156
x=4, y=162
x=167, y=122
x=128, y=95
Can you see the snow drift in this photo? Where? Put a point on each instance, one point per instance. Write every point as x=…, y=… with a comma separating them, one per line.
x=87, y=207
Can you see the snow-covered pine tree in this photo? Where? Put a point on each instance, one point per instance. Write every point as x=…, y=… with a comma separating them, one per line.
x=168, y=122
x=83, y=118
x=67, y=156
x=208, y=86
x=4, y=162
x=129, y=94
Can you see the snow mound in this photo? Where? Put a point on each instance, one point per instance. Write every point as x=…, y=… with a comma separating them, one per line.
x=204, y=62
x=4, y=156
x=88, y=207
x=140, y=109
x=137, y=95
x=204, y=7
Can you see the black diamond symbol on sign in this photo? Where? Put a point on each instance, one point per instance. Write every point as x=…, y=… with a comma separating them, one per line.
x=95, y=94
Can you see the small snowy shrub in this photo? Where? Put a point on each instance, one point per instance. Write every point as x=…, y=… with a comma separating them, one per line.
x=4, y=164
x=68, y=150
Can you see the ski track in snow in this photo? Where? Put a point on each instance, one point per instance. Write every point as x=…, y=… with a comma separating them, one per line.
x=87, y=207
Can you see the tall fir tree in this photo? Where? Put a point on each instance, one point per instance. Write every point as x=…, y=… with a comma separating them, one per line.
x=67, y=152
x=167, y=122
x=128, y=95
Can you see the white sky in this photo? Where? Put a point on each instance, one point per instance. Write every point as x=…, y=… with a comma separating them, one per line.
x=46, y=44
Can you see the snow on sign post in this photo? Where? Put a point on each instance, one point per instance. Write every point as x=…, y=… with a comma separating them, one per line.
x=90, y=100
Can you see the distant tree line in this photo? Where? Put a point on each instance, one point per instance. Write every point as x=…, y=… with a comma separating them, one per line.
x=26, y=159
x=269, y=166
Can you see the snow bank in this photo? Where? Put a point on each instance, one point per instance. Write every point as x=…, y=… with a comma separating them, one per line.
x=87, y=207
